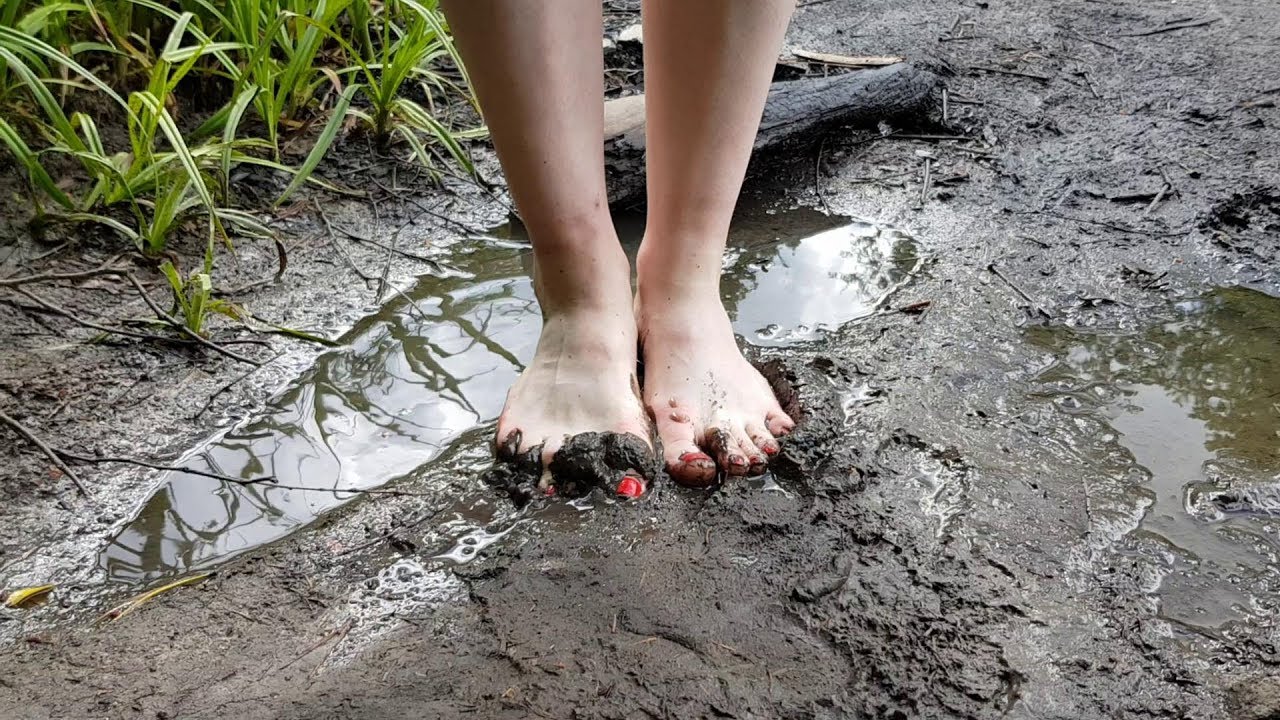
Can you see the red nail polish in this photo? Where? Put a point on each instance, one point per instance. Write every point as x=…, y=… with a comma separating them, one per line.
x=551, y=490
x=770, y=449
x=694, y=457
x=737, y=460
x=630, y=487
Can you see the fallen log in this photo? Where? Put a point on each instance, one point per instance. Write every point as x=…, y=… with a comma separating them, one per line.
x=797, y=114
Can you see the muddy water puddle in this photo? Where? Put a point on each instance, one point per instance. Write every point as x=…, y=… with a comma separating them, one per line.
x=1180, y=427
x=410, y=398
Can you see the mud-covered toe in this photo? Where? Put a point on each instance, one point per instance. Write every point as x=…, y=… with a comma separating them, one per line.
x=620, y=463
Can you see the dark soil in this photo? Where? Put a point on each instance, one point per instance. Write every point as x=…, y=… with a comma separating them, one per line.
x=1127, y=166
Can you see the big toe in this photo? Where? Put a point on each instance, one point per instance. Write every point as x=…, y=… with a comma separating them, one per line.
x=617, y=461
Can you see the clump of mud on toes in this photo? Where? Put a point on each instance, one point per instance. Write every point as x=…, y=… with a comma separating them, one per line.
x=585, y=462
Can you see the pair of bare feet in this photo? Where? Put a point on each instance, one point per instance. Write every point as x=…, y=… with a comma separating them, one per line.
x=711, y=409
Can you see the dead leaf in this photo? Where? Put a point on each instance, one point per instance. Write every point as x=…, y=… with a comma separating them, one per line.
x=138, y=601
x=25, y=597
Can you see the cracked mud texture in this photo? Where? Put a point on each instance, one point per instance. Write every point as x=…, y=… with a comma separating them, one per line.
x=937, y=543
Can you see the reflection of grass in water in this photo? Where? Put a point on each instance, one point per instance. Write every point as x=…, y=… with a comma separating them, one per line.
x=400, y=352
x=1220, y=359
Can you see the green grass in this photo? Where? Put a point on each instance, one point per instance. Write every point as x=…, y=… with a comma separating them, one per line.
x=302, y=71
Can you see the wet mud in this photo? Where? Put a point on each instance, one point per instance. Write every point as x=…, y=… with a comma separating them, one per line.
x=1036, y=474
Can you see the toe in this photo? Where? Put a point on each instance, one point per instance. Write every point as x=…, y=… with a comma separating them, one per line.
x=507, y=443
x=779, y=423
x=763, y=439
x=685, y=461
x=726, y=446
x=547, y=453
x=756, y=459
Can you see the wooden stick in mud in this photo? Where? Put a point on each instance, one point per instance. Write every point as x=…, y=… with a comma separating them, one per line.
x=49, y=452
x=798, y=113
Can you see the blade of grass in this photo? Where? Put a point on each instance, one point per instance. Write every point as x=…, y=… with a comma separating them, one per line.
x=35, y=171
x=323, y=142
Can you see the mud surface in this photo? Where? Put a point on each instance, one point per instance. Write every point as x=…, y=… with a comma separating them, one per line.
x=1037, y=473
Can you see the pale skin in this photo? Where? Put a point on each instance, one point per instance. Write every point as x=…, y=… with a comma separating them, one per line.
x=537, y=70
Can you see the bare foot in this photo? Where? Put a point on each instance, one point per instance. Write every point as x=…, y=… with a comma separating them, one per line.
x=710, y=405
x=582, y=376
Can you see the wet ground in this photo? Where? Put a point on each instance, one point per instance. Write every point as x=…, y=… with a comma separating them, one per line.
x=1038, y=473
x=423, y=380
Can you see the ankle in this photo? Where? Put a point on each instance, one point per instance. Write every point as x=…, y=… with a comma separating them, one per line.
x=592, y=281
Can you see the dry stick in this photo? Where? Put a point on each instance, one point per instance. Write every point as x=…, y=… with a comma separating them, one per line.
x=57, y=310
x=1109, y=226
x=182, y=328
x=1156, y=200
x=333, y=240
x=1015, y=73
x=90, y=460
x=381, y=245
x=209, y=403
x=928, y=180
x=991, y=267
x=1095, y=41
x=1171, y=28
x=48, y=451
x=392, y=533
x=817, y=176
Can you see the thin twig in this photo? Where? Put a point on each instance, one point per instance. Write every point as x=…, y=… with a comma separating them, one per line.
x=266, y=480
x=107, y=269
x=90, y=460
x=1095, y=41
x=57, y=310
x=1109, y=226
x=182, y=328
x=991, y=267
x=1172, y=27
x=44, y=448
x=333, y=240
x=928, y=180
x=1156, y=200
x=392, y=533
x=209, y=403
x=1015, y=73
x=817, y=176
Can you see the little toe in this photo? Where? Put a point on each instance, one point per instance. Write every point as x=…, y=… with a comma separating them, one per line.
x=779, y=423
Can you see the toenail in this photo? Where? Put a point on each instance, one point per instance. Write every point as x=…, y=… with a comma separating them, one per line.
x=631, y=487
x=770, y=448
x=551, y=490
x=691, y=458
x=737, y=460
x=758, y=460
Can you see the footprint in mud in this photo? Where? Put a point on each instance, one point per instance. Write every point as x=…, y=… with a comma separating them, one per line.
x=417, y=386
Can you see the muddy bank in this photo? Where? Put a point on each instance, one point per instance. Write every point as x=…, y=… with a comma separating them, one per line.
x=1001, y=503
